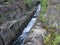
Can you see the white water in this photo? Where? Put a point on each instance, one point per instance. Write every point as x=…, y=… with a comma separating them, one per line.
x=22, y=37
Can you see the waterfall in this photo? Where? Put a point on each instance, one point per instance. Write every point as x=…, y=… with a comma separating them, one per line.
x=20, y=40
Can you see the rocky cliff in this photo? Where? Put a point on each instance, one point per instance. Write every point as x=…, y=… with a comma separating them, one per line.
x=14, y=16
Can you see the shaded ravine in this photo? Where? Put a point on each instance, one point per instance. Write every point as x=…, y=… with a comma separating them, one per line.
x=21, y=38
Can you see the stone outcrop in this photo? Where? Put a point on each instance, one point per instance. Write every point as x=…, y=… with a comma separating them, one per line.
x=7, y=10
x=11, y=29
x=36, y=35
x=13, y=19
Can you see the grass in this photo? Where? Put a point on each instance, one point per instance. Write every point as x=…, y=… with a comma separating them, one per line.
x=28, y=2
x=56, y=40
x=43, y=10
x=52, y=37
x=44, y=6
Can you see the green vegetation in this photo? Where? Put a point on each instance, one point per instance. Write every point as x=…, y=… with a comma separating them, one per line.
x=58, y=6
x=42, y=18
x=56, y=40
x=44, y=6
x=52, y=37
x=28, y=2
x=43, y=10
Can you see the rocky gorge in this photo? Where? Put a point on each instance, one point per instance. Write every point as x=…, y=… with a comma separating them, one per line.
x=46, y=31
x=13, y=19
x=15, y=16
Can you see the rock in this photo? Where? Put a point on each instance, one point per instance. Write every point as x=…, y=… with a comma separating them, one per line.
x=10, y=30
x=15, y=15
x=14, y=20
x=12, y=11
x=1, y=41
x=35, y=37
x=4, y=8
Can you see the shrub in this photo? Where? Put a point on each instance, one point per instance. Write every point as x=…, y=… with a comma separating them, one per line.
x=28, y=2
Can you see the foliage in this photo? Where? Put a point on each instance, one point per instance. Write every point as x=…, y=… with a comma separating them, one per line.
x=49, y=39
x=42, y=17
x=44, y=5
x=52, y=38
x=28, y=2
x=43, y=10
x=56, y=40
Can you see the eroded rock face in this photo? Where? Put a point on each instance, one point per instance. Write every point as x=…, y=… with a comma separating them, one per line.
x=9, y=13
x=12, y=11
x=10, y=30
x=13, y=19
x=35, y=37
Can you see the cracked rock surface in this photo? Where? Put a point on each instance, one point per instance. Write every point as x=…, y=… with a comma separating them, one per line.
x=36, y=35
